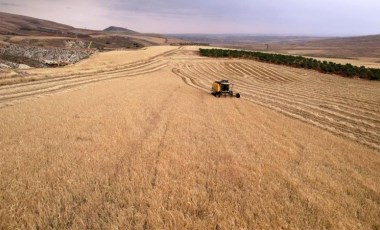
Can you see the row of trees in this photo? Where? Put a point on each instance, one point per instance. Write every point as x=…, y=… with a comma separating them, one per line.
x=347, y=70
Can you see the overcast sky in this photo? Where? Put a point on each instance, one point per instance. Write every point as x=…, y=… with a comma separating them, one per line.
x=308, y=17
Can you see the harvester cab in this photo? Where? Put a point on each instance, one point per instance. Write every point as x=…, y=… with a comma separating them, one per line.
x=223, y=88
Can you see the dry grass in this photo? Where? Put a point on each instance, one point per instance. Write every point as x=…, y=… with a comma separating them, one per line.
x=145, y=150
x=100, y=63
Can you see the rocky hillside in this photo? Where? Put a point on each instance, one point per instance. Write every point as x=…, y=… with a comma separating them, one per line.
x=15, y=55
x=31, y=42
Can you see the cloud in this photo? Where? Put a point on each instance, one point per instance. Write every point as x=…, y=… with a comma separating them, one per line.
x=7, y=4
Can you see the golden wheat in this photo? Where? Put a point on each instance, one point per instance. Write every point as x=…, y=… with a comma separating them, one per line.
x=146, y=151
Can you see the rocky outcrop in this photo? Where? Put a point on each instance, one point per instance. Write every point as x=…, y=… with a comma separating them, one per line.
x=7, y=64
x=42, y=57
x=74, y=44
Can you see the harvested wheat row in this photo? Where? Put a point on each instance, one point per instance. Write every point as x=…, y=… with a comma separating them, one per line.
x=314, y=98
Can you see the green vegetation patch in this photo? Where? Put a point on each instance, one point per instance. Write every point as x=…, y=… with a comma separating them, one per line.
x=346, y=70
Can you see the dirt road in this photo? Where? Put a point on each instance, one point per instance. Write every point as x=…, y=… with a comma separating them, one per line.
x=145, y=146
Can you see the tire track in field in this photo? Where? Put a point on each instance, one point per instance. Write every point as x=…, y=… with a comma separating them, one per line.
x=325, y=80
x=17, y=94
x=342, y=114
x=317, y=95
x=325, y=102
x=37, y=84
x=315, y=98
x=326, y=111
x=98, y=70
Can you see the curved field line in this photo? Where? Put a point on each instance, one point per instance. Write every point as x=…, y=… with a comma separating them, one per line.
x=303, y=101
x=49, y=87
x=347, y=122
x=317, y=94
x=98, y=70
x=19, y=87
x=296, y=96
x=292, y=94
x=22, y=91
x=74, y=78
x=277, y=77
x=316, y=102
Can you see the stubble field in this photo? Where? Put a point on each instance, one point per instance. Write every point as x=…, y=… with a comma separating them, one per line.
x=135, y=140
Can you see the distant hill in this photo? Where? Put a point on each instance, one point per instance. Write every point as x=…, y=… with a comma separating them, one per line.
x=332, y=47
x=358, y=41
x=38, y=43
x=115, y=29
x=240, y=39
x=12, y=24
x=340, y=47
x=24, y=30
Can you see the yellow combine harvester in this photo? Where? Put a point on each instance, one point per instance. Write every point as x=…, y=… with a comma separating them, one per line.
x=223, y=88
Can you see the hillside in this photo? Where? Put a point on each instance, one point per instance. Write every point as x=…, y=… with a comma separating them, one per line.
x=360, y=47
x=331, y=47
x=32, y=29
x=12, y=24
x=371, y=41
x=30, y=42
x=241, y=39
x=115, y=29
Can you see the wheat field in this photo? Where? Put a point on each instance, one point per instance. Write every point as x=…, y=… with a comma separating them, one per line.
x=134, y=140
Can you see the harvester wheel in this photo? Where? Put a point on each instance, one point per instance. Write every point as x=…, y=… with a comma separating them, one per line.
x=238, y=95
